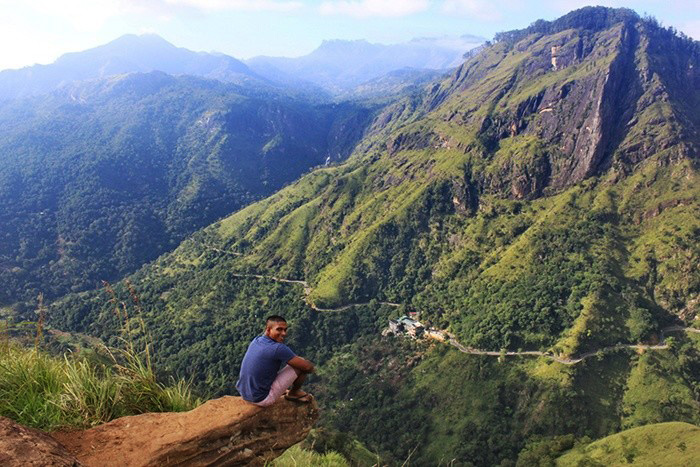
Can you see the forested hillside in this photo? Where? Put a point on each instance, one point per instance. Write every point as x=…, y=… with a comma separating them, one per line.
x=543, y=197
x=105, y=175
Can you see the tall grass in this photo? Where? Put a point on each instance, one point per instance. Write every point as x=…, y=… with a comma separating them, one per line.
x=47, y=392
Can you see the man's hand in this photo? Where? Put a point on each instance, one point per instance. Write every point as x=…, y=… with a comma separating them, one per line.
x=301, y=364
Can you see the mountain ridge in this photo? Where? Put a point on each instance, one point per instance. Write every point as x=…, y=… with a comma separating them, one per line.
x=106, y=174
x=340, y=65
x=126, y=54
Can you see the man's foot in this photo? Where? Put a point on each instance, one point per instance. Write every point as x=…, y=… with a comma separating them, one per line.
x=298, y=396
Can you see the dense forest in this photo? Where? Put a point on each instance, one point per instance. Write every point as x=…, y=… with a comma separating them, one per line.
x=102, y=177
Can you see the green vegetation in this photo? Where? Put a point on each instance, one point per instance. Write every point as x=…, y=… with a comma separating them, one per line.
x=49, y=392
x=296, y=456
x=672, y=444
x=544, y=451
x=663, y=386
x=106, y=176
x=402, y=397
x=324, y=441
x=588, y=18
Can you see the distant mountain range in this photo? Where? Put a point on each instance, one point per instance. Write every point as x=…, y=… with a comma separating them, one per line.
x=339, y=65
x=336, y=66
x=127, y=54
x=99, y=182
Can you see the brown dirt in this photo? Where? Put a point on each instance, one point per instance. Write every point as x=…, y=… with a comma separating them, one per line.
x=225, y=431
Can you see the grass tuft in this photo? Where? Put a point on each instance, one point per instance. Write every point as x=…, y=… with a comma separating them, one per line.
x=298, y=457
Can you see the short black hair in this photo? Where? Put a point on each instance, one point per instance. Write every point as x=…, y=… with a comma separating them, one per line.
x=275, y=319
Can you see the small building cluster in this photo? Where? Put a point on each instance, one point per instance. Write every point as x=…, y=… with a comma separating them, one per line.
x=407, y=325
x=414, y=328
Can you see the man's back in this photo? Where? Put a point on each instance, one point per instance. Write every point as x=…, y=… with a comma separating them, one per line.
x=261, y=363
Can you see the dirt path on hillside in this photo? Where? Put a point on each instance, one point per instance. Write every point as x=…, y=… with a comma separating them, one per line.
x=470, y=350
x=307, y=291
x=571, y=360
x=307, y=288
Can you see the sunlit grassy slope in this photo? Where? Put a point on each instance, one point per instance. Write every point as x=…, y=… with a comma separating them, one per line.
x=671, y=444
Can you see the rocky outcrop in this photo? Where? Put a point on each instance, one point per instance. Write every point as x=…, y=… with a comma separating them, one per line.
x=578, y=118
x=21, y=446
x=415, y=140
x=225, y=431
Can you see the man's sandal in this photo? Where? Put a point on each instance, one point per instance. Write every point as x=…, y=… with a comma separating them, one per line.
x=306, y=398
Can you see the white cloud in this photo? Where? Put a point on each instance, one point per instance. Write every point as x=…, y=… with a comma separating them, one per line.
x=365, y=8
x=94, y=13
x=461, y=43
x=238, y=5
x=477, y=9
x=42, y=48
x=81, y=15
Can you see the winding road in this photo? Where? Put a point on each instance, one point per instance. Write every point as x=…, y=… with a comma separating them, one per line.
x=307, y=288
x=470, y=350
x=568, y=360
x=307, y=292
x=562, y=360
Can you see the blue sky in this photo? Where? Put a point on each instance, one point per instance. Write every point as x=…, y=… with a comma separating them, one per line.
x=38, y=31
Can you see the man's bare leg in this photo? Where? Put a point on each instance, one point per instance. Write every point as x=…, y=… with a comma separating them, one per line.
x=295, y=391
x=285, y=378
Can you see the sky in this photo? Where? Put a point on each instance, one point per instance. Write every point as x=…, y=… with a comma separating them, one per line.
x=39, y=31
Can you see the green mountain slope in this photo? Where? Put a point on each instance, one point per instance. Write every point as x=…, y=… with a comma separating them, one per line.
x=660, y=444
x=106, y=175
x=544, y=197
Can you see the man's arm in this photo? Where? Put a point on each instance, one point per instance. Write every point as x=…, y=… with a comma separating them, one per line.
x=301, y=364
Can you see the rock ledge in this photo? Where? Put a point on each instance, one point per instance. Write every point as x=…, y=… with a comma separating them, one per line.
x=225, y=431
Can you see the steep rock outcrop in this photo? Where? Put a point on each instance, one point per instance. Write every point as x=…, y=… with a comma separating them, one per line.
x=224, y=431
x=21, y=446
x=593, y=94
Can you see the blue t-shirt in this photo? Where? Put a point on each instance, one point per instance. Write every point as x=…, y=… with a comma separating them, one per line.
x=263, y=359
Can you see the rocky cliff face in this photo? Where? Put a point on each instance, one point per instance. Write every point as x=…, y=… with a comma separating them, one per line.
x=225, y=431
x=548, y=110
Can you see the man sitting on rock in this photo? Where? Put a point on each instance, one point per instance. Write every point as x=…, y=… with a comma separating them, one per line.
x=262, y=381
